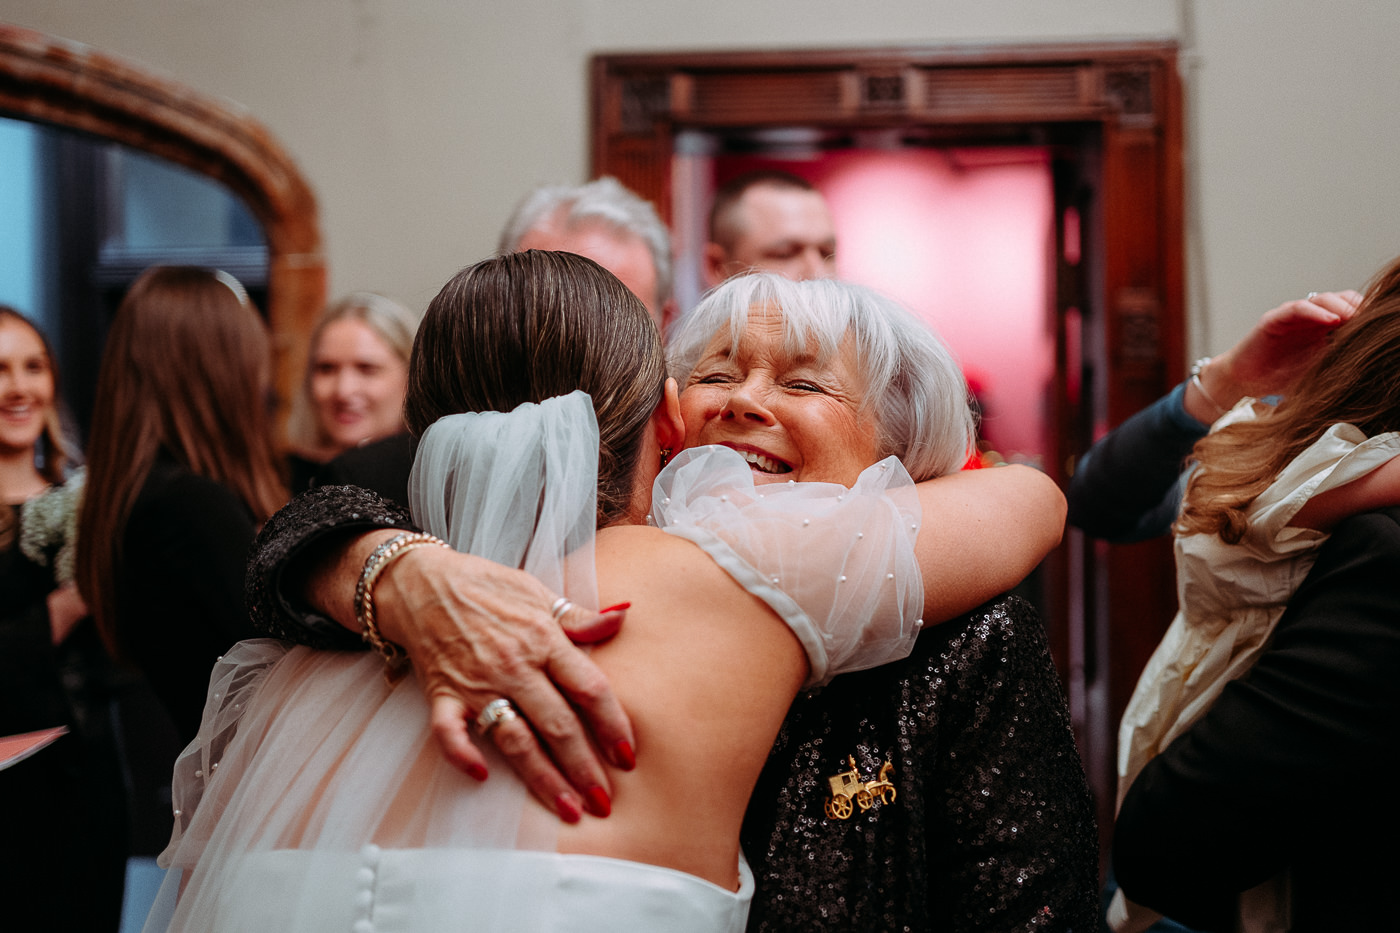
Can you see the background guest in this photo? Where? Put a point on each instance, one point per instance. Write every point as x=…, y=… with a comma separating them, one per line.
x=1279, y=773
x=52, y=668
x=182, y=470
x=607, y=223
x=356, y=374
x=771, y=221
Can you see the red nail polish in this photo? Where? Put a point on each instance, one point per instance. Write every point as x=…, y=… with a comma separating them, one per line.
x=477, y=771
x=618, y=608
x=598, y=802
x=568, y=810
x=626, y=759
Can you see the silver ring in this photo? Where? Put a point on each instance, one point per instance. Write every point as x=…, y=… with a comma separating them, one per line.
x=1312, y=295
x=495, y=713
x=561, y=605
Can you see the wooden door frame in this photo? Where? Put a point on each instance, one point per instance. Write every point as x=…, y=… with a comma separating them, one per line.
x=1129, y=93
x=49, y=80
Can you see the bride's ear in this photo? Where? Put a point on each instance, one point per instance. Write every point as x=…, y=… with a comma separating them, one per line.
x=666, y=419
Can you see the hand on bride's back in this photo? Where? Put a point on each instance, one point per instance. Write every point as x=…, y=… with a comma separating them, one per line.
x=476, y=632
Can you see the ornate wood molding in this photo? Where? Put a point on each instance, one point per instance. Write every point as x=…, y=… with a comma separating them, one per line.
x=51, y=80
x=1120, y=100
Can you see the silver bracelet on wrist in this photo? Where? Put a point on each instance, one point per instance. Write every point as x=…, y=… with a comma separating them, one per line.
x=1196, y=369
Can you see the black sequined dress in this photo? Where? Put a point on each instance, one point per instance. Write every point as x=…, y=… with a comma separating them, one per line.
x=991, y=825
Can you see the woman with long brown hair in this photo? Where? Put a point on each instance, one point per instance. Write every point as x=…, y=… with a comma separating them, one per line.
x=1268, y=485
x=182, y=470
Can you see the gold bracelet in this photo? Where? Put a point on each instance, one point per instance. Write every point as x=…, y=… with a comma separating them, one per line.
x=379, y=559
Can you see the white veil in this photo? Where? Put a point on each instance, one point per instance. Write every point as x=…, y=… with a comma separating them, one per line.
x=520, y=489
x=309, y=764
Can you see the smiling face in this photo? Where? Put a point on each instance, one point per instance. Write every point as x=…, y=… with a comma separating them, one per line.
x=357, y=385
x=26, y=387
x=792, y=417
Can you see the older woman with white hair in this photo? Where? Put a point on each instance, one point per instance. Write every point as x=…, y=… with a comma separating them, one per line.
x=985, y=812
x=793, y=341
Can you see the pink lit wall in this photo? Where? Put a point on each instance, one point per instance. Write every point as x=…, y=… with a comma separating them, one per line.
x=964, y=239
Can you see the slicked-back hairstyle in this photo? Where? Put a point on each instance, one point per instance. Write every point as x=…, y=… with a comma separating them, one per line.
x=184, y=374
x=532, y=325
x=914, y=389
x=393, y=323
x=725, y=223
x=54, y=453
x=1355, y=381
x=603, y=201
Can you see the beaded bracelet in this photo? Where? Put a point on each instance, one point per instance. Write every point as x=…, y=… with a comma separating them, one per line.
x=379, y=559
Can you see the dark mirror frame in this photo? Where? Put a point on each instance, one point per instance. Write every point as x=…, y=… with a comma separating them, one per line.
x=65, y=84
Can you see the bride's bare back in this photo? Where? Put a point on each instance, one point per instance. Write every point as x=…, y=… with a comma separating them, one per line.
x=708, y=673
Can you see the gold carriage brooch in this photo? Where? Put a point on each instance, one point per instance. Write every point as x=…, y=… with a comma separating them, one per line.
x=849, y=785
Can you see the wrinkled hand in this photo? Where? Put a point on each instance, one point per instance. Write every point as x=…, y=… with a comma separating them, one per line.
x=477, y=631
x=1283, y=343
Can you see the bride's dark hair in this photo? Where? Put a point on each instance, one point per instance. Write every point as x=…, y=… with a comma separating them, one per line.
x=528, y=326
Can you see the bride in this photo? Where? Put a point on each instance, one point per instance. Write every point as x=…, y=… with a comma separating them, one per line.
x=313, y=798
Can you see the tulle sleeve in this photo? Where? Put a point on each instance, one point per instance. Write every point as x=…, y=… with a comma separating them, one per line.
x=836, y=564
x=233, y=683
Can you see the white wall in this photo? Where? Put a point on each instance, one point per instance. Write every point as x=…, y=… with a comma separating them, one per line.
x=420, y=122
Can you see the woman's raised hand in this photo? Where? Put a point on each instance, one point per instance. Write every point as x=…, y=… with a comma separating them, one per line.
x=1281, y=344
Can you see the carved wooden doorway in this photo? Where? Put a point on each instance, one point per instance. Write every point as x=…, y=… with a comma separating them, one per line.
x=1110, y=115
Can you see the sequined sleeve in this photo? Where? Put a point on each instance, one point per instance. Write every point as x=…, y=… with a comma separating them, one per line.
x=313, y=518
x=991, y=827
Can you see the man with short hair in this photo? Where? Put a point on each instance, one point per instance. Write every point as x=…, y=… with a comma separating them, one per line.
x=607, y=223
x=772, y=221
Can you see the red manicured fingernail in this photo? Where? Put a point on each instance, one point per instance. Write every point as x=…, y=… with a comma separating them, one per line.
x=598, y=802
x=569, y=811
x=618, y=608
x=477, y=771
x=626, y=759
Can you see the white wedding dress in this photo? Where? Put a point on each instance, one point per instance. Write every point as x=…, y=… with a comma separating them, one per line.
x=314, y=797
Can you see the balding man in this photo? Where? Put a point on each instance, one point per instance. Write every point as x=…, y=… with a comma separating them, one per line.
x=607, y=223
x=773, y=221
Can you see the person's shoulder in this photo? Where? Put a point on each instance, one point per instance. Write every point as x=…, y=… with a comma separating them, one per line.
x=169, y=484
x=1372, y=536
x=174, y=496
x=648, y=555
x=1378, y=521
x=650, y=544
x=382, y=465
x=1007, y=622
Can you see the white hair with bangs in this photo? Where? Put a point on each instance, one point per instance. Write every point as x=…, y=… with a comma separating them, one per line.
x=914, y=387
